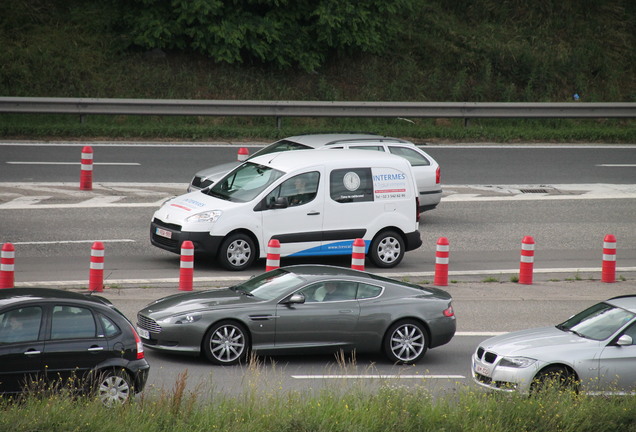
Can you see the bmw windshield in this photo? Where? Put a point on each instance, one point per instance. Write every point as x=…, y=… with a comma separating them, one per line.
x=244, y=183
x=598, y=322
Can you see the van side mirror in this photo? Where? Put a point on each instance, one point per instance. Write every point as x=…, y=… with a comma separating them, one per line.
x=280, y=202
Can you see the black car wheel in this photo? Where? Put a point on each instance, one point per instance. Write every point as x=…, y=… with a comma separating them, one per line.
x=113, y=388
x=237, y=252
x=226, y=343
x=405, y=342
x=387, y=249
x=554, y=377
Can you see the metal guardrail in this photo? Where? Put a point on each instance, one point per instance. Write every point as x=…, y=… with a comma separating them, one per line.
x=280, y=109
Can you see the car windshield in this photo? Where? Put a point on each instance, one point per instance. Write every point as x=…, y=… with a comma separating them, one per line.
x=244, y=183
x=270, y=285
x=597, y=322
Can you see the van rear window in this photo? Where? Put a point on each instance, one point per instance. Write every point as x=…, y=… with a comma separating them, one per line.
x=351, y=185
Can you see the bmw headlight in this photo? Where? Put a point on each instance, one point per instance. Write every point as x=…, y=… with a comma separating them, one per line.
x=208, y=216
x=517, y=362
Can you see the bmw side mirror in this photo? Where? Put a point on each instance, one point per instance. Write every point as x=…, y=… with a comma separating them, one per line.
x=625, y=340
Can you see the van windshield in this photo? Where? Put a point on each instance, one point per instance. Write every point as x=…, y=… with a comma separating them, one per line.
x=244, y=183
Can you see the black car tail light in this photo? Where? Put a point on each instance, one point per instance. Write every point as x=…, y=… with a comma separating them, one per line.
x=140, y=345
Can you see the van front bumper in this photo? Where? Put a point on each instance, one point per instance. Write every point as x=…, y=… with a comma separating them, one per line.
x=170, y=237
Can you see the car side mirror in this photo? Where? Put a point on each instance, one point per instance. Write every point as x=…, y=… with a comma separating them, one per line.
x=625, y=340
x=296, y=298
x=280, y=202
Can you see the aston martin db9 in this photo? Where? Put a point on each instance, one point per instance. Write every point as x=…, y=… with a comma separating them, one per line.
x=302, y=309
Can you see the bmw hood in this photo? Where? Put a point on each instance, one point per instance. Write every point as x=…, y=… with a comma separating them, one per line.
x=217, y=172
x=196, y=301
x=539, y=341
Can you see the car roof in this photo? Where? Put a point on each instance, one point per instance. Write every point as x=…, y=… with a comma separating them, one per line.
x=319, y=140
x=290, y=161
x=10, y=296
x=627, y=302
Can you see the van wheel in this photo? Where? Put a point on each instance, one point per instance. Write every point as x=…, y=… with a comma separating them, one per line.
x=237, y=252
x=387, y=249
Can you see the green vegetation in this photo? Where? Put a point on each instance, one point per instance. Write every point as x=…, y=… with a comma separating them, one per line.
x=482, y=50
x=267, y=408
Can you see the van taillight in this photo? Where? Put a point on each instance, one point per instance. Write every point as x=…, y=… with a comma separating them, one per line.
x=417, y=209
x=438, y=175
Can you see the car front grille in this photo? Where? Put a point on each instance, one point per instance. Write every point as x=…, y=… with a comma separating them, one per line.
x=148, y=323
x=166, y=225
x=486, y=356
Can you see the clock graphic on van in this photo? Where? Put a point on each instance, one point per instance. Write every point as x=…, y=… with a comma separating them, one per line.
x=351, y=181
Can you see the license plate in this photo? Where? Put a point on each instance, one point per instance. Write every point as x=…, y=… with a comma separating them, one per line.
x=163, y=233
x=482, y=370
x=143, y=333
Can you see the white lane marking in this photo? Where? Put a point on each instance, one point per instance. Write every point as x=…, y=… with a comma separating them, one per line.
x=378, y=376
x=616, y=165
x=72, y=163
x=96, y=202
x=74, y=242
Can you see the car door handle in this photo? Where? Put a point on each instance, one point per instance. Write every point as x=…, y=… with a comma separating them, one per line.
x=346, y=311
x=32, y=352
x=96, y=348
x=313, y=213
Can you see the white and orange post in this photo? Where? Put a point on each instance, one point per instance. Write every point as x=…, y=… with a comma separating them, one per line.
x=243, y=154
x=442, y=258
x=186, y=267
x=526, y=265
x=273, y=255
x=96, y=272
x=86, y=171
x=7, y=266
x=357, y=254
x=608, y=270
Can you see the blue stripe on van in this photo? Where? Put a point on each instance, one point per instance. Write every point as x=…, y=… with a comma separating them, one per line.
x=333, y=248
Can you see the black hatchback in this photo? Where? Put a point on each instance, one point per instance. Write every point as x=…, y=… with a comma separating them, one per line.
x=54, y=337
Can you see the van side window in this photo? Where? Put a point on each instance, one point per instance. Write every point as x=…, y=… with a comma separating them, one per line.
x=351, y=185
x=367, y=147
x=298, y=190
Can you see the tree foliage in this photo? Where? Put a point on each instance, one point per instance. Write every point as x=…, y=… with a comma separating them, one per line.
x=286, y=33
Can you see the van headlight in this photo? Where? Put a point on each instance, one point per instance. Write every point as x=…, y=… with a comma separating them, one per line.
x=208, y=216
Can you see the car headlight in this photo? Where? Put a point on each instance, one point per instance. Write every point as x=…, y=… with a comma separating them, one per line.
x=208, y=216
x=517, y=362
x=181, y=319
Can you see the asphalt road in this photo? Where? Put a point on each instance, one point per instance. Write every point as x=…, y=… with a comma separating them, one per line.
x=567, y=198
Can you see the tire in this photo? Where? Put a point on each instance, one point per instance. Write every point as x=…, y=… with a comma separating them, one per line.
x=387, y=249
x=554, y=377
x=113, y=388
x=226, y=343
x=405, y=342
x=237, y=252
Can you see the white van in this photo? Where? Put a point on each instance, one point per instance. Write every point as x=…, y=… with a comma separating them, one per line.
x=315, y=202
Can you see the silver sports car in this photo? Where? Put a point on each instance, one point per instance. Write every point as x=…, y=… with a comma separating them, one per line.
x=302, y=309
x=595, y=351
